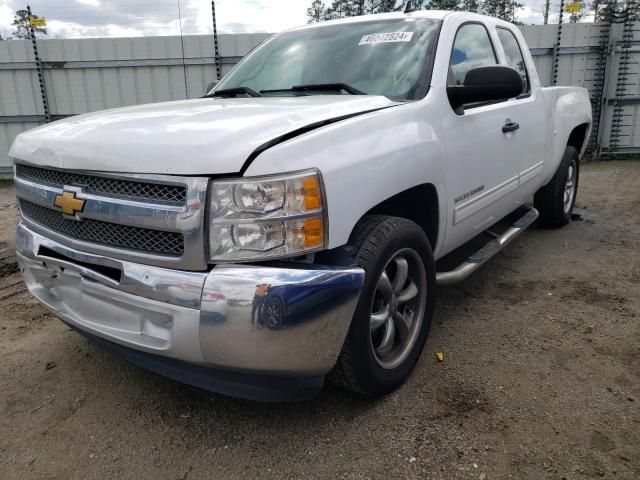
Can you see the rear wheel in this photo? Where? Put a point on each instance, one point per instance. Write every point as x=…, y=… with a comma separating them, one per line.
x=555, y=201
x=394, y=313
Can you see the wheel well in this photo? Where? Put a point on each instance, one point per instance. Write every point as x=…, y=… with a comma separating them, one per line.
x=418, y=204
x=578, y=136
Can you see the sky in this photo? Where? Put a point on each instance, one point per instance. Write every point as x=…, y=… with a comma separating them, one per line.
x=135, y=18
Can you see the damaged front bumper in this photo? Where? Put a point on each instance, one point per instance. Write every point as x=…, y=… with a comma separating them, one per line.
x=260, y=332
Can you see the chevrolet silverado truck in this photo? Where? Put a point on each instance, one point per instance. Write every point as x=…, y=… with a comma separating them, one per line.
x=292, y=224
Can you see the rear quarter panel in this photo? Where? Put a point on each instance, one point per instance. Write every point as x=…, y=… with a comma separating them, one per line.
x=567, y=108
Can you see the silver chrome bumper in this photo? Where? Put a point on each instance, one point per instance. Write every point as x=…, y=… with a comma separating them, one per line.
x=216, y=319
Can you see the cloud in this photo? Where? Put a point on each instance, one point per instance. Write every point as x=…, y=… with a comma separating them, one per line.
x=95, y=18
x=6, y=17
x=134, y=18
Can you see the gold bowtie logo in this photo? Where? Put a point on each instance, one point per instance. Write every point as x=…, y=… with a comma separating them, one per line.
x=68, y=202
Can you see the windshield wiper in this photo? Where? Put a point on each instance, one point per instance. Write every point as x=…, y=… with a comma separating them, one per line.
x=319, y=87
x=228, y=92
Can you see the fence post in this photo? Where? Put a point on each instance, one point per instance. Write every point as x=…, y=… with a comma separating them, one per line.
x=556, y=48
x=618, y=132
x=601, y=72
x=609, y=77
x=43, y=88
x=216, y=52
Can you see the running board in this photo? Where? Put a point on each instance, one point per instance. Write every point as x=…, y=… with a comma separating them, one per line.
x=475, y=261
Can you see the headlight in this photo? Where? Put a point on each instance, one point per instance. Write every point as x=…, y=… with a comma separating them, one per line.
x=269, y=217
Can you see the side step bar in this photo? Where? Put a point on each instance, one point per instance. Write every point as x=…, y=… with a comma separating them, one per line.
x=475, y=261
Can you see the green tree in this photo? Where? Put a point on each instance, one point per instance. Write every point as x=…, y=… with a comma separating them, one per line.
x=470, y=5
x=442, y=5
x=380, y=6
x=607, y=10
x=594, y=8
x=337, y=9
x=353, y=8
x=604, y=11
x=503, y=9
x=317, y=11
x=358, y=7
x=465, y=5
x=22, y=23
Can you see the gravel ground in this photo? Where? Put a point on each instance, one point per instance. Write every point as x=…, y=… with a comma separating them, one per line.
x=540, y=380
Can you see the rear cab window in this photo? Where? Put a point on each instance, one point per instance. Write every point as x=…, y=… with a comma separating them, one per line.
x=514, y=56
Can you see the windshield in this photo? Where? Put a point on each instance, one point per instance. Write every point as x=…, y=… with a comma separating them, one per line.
x=385, y=57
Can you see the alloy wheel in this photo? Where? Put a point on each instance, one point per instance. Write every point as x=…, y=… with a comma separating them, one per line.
x=398, y=307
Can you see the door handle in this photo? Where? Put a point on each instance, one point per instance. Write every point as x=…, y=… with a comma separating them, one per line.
x=510, y=127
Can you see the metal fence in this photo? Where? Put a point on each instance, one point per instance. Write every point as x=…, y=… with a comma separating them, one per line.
x=604, y=58
x=92, y=74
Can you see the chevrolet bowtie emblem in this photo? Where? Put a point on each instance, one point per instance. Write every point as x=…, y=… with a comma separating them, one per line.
x=68, y=202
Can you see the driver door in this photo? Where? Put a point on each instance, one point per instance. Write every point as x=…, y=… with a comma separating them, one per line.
x=482, y=160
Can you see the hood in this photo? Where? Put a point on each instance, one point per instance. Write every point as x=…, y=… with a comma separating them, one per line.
x=188, y=137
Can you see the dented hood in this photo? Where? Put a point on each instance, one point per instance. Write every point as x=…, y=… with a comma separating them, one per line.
x=189, y=137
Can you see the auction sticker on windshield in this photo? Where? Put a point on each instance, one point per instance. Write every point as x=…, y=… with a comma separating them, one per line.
x=386, y=38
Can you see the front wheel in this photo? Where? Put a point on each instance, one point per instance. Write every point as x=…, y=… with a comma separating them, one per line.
x=555, y=200
x=393, y=316
x=273, y=312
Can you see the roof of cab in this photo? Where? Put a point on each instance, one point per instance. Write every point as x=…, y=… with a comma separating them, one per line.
x=434, y=14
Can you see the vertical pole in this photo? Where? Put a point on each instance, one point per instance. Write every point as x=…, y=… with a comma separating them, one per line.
x=43, y=89
x=547, y=6
x=602, y=71
x=618, y=127
x=556, y=49
x=609, y=78
x=216, y=51
x=184, y=66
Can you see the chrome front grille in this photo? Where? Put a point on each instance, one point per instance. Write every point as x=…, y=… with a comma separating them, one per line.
x=150, y=219
x=105, y=233
x=103, y=185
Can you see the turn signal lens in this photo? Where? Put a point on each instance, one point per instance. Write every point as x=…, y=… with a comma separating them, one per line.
x=313, y=233
x=312, y=199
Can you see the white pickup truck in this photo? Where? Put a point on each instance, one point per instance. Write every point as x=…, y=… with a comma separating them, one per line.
x=286, y=227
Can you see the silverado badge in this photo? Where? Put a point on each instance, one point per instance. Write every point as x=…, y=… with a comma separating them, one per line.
x=69, y=203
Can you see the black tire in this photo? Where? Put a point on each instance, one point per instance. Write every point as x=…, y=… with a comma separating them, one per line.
x=550, y=199
x=273, y=313
x=376, y=239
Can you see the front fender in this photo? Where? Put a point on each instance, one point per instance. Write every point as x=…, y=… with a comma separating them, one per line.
x=365, y=160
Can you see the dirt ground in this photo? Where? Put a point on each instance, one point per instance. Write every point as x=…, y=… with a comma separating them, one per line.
x=541, y=379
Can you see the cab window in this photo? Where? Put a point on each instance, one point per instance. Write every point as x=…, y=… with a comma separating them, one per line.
x=514, y=55
x=472, y=48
